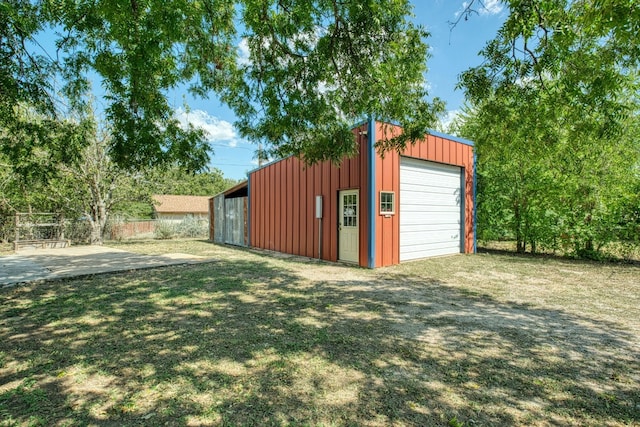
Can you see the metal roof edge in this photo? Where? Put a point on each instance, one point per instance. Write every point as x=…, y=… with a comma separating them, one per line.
x=451, y=137
x=236, y=187
x=269, y=164
x=435, y=133
x=358, y=124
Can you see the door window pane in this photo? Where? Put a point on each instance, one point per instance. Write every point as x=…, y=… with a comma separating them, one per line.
x=350, y=210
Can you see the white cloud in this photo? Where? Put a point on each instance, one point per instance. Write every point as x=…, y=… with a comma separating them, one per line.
x=216, y=130
x=491, y=7
x=486, y=7
x=447, y=120
x=243, y=52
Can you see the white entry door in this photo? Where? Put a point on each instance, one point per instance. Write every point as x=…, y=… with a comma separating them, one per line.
x=348, y=227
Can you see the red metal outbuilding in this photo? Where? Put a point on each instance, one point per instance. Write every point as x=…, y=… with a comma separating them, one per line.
x=375, y=210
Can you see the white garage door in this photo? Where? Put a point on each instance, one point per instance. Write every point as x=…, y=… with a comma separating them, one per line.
x=431, y=209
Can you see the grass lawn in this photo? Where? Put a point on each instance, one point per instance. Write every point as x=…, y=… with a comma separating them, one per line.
x=256, y=339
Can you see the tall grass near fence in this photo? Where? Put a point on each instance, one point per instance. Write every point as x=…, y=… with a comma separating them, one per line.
x=191, y=227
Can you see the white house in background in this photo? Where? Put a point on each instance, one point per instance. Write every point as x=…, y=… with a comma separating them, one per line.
x=175, y=208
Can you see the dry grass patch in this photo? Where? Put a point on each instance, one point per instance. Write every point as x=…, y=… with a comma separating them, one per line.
x=6, y=249
x=198, y=247
x=261, y=340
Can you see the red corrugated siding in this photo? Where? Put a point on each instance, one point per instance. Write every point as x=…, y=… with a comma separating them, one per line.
x=283, y=205
x=290, y=202
x=281, y=174
x=296, y=210
x=385, y=180
x=307, y=220
x=387, y=174
x=283, y=198
x=325, y=190
x=433, y=148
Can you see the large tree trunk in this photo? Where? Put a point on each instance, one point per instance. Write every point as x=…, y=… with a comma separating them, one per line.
x=98, y=217
x=520, y=238
x=101, y=184
x=96, y=233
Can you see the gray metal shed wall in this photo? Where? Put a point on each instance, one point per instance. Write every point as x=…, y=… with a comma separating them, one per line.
x=218, y=219
x=230, y=220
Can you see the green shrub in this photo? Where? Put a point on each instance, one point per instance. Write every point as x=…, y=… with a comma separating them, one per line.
x=192, y=227
x=164, y=230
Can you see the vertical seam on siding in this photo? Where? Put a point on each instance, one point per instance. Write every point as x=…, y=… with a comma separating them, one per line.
x=249, y=210
x=463, y=213
x=475, y=238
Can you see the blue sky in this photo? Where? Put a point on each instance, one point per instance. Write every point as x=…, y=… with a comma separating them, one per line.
x=452, y=53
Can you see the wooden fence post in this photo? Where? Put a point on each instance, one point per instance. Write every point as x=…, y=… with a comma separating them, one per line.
x=17, y=233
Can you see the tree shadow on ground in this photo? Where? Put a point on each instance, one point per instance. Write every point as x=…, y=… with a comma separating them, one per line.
x=252, y=342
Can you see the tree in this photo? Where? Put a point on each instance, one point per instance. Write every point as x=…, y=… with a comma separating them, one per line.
x=582, y=47
x=61, y=166
x=94, y=185
x=315, y=67
x=23, y=75
x=33, y=116
x=170, y=180
x=541, y=188
x=553, y=104
x=33, y=145
x=516, y=185
x=174, y=180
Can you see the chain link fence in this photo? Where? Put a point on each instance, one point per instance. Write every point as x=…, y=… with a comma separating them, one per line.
x=43, y=227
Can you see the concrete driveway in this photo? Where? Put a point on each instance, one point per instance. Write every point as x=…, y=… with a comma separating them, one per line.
x=48, y=264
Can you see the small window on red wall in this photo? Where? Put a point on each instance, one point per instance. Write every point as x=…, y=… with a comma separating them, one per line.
x=387, y=203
